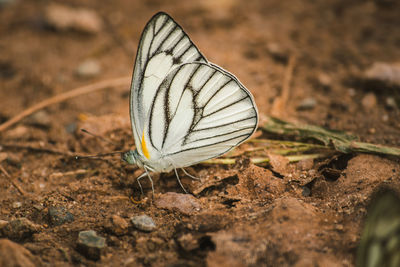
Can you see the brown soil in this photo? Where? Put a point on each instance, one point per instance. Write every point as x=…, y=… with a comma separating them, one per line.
x=247, y=215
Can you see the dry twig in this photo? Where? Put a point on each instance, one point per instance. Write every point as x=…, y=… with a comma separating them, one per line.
x=280, y=103
x=13, y=182
x=64, y=96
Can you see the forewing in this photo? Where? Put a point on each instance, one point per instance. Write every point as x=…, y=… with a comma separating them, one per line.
x=207, y=113
x=163, y=46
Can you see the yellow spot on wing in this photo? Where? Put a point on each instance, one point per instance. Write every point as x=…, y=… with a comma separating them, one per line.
x=144, y=148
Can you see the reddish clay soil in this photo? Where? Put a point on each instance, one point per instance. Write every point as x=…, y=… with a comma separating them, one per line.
x=237, y=215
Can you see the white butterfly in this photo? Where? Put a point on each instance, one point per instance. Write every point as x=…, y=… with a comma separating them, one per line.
x=183, y=109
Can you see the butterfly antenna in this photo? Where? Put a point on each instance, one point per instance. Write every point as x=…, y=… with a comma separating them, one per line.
x=99, y=137
x=99, y=156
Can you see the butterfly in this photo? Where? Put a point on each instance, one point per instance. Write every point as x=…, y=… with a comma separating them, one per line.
x=380, y=239
x=183, y=109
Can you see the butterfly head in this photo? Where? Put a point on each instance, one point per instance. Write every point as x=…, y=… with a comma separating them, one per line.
x=130, y=157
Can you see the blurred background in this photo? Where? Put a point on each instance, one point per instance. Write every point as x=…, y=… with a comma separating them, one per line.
x=49, y=47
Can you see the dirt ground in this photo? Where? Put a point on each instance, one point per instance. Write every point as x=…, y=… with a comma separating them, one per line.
x=237, y=215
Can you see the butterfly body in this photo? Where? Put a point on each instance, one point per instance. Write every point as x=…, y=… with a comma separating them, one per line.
x=158, y=164
x=183, y=109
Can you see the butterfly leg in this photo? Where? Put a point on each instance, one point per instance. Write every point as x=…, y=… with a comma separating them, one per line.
x=151, y=180
x=146, y=173
x=179, y=180
x=138, y=180
x=191, y=176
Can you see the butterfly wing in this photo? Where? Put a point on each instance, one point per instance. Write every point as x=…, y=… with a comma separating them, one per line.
x=163, y=47
x=380, y=239
x=200, y=111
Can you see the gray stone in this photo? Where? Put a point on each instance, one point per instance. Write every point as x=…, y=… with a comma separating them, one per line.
x=307, y=104
x=306, y=191
x=71, y=128
x=144, y=223
x=90, y=244
x=59, y=216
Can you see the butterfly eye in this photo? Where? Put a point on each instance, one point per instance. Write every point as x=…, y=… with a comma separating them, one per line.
x=129, y=157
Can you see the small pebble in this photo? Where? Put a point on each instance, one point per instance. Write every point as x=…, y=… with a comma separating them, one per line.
x=307, y=104
x=90, y=244
x=20, y=229
x=41, y=118
x=385, y=72
x=119, y=225
x=16, y=205
x=144, y=223
x=325, y=80
x=59, y=216
x=38, y=207
x=369, y=101
x=184, y=203
x=71, y=128
x=130, y=261
x=277, y=52
x=63, y=18
x=306, y=191
x=339, y=227
x=351, y=92
x=89, y=68
x=391, y=103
